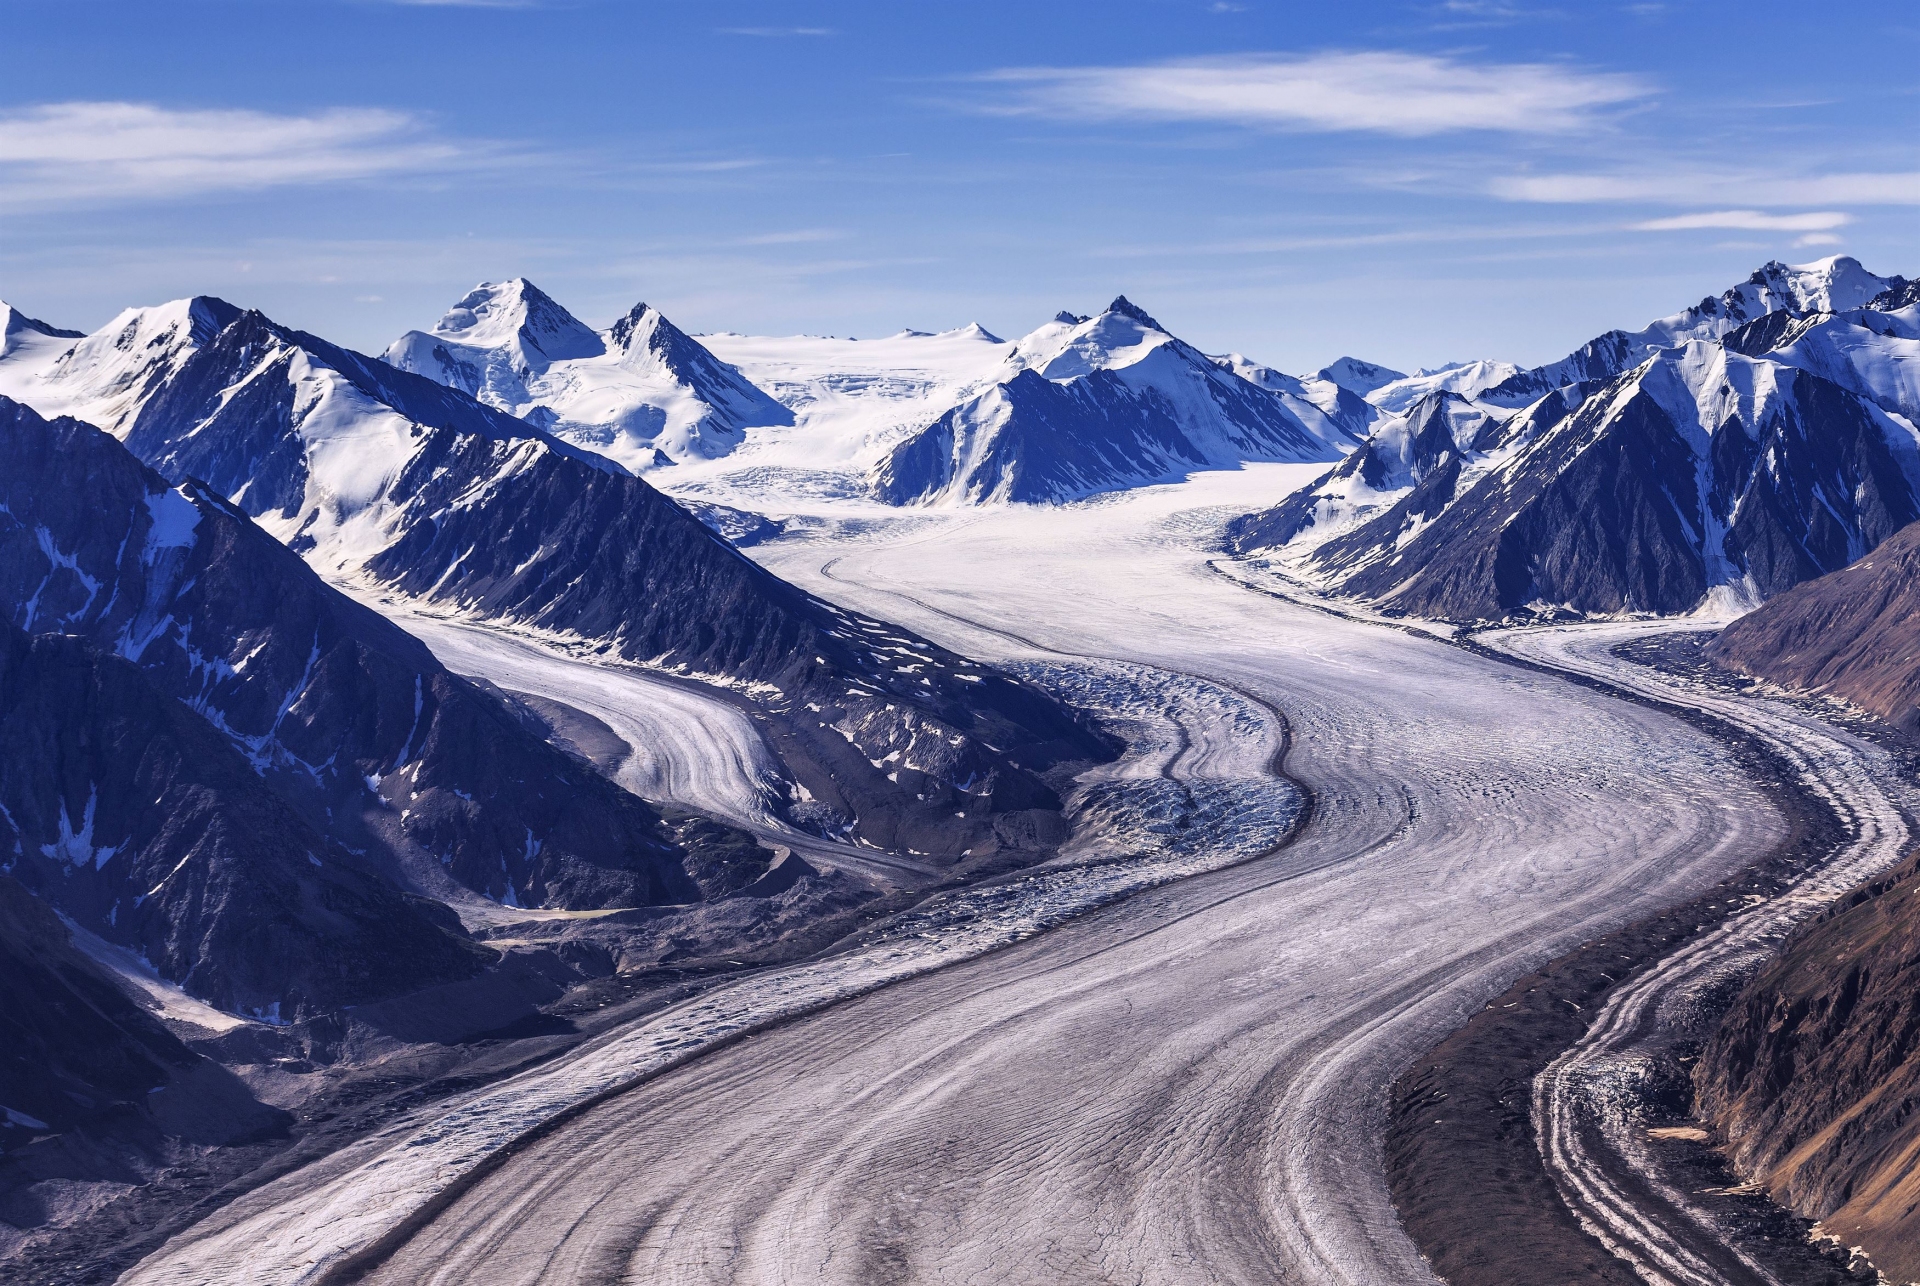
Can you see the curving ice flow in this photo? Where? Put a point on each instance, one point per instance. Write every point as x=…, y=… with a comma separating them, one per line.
x=687, y=746
x=1188, y=1084
x=1586, y=1110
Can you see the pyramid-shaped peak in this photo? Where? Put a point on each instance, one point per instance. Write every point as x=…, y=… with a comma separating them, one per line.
x=640, y=326
x=13, y=321
x=1127, y=308
x=517, y=313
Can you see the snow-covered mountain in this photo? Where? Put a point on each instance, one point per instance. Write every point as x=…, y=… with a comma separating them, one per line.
x=1467, y=379
x=1835, y=284
x=1334, y=412
x=1720, y=470
x=1430, y=441
x=27, y=339
x=1357, y=377
x=104, y=378
x=641, y=392
x=373, y=472
x=328, y=762
x=1090, y=404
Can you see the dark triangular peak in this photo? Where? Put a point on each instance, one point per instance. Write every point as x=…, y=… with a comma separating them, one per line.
x=649, y=326
x=645, y=329
x=1127, y=308
x=1773, y=330
x=210, y=315
x=1431, y=428
x=1066, y=318
x=13, y=321
x=1901, y=294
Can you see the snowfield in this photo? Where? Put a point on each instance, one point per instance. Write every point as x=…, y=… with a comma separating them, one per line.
x=1183, y=1084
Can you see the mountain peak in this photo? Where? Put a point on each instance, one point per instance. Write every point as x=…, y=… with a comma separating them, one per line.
x=1127, y=308
x=639, y=327
x=1356, y=376
x=13, y=322
x=19, y=332
x=517, y=313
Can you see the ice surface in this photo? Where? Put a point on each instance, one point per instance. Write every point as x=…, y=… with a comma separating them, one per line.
x=1189, y=1077
x=1590, y=1105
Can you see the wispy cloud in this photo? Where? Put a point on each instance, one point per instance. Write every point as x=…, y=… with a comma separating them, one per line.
x=795, y=237
x=1410, y=95
x=60, y=154
x=1750, y=220
x=772, y=32
x=1684, y=187
x=1455, y=14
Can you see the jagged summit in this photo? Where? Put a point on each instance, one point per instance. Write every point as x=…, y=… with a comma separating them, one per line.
x=641, y=392
x=519, y=314
x=1695, y=463
x=1831, y=285
x=1127, y=308
x=1091, y=404
x=100, y=377
x=643, y=319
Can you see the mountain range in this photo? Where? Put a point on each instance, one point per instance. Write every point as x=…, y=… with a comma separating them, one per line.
x=229, y=785
x=640, y=392
x=1079, y=406
x=234, y=800
x=1712, y=471
x=378, y=475
x=1091, y=404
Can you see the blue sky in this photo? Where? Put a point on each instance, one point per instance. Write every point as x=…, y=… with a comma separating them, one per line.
x=1411, y=183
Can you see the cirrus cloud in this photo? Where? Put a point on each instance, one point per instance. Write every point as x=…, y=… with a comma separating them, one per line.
x=82, y=153
x=1684, y=187
x=1751, y=220
x=1385, y=92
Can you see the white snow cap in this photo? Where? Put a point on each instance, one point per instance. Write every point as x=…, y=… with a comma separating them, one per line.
x=517, y=313
x=1356, y=376
x=1068, y=346
x=1831, y=285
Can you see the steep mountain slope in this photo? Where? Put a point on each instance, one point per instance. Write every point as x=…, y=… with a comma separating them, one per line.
x=1384, y=475
x=886, y=733
x=371, y=471
x=1334, y=413
x=1854, y=633
x=105, y=377
x=1085, y=405
x=134, y=817
x=1813, y=1075
x=28, y=339
x=1735, y=469
x=1836, y=284
x=642, y=392
x=346, y=716
x=89, y=1081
